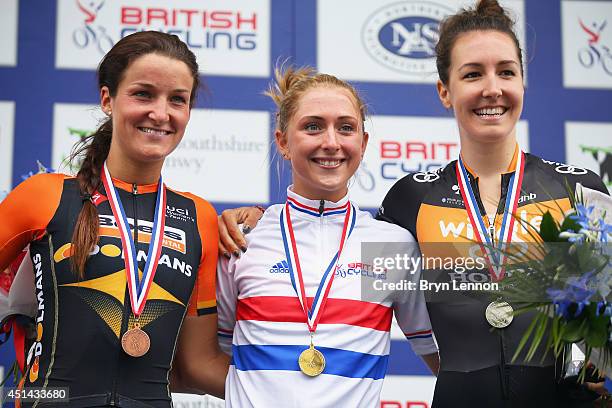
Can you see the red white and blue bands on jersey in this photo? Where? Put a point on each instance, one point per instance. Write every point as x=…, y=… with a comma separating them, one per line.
x=314, y=312
x=495, y=254
x=138, y=288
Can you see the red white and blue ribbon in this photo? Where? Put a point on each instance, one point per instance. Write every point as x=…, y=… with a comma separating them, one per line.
x=495, y=254
x=313, y=312
x=138, y=288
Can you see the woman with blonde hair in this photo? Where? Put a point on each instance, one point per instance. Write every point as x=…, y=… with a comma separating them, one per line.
x=298, y=329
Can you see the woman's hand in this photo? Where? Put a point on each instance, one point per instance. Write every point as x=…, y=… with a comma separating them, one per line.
x=231, y=239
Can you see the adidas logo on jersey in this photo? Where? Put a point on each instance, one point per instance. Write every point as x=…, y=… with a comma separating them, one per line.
x=280, y=267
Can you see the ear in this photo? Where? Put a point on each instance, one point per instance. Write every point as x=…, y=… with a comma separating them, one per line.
x=105, y=100
x=281, y=143
x=364, y=143
x=444, y=95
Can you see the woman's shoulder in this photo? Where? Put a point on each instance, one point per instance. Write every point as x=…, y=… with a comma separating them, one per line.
x=378, y=230
x=563, y=172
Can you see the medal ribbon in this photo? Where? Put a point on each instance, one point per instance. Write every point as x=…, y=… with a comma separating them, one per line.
x=138, y=288
x=314, y=312
x=495, y=255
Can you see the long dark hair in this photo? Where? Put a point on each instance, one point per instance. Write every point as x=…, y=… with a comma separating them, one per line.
x=93, y=150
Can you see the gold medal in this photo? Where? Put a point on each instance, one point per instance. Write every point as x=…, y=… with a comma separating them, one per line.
x=499, y=314
x=135, y=342
x=311, y=361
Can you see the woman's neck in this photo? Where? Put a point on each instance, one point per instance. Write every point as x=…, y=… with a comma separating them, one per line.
x=311, y=194
x=134, y=173
x=488, y=159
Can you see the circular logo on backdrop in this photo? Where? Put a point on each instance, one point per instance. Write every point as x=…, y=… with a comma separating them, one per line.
x=403, y=36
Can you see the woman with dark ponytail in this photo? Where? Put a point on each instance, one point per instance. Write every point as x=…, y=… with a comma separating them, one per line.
x=122, y=263
x=480, y=69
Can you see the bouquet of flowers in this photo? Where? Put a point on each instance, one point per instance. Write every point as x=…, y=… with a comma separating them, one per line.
x=567, y=278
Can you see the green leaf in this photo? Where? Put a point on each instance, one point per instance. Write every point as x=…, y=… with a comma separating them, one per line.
x=549, y=232
x=570, y=224
x=574, y=330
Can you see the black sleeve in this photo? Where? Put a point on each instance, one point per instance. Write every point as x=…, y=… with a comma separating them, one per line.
x=401, y=204
x=590, y=180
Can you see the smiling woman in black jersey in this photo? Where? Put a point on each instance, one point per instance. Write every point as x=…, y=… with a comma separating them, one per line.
x=119, y=270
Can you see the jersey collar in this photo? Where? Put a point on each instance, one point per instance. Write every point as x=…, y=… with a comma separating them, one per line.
x=312, y=208
x=142, y=188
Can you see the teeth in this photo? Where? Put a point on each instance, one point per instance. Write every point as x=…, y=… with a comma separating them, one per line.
x=328, y=163
x=490, y=111
x=157, y=132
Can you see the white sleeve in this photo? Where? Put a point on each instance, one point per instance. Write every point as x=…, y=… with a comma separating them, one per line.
x=227, y=296
x=410, y=309
x=21, y=298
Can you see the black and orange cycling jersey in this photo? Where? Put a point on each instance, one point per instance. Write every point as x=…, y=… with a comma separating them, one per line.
x=430, y=206
x=80, y=321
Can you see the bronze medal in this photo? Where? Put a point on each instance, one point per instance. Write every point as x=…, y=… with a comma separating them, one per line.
x=311, y=361
x=499, y=314
x=135, y=342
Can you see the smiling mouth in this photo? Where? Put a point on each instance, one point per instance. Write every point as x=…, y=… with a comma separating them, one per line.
x=495, y=112
x=329, y=163
x=154, y=132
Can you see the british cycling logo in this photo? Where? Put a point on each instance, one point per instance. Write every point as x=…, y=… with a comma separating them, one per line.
x=403, y=36
x=91, y=34
x=595, y=53
x=603, y=157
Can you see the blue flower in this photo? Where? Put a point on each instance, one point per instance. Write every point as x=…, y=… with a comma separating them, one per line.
x=576, y=292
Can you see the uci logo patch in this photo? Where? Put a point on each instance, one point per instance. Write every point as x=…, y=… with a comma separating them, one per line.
x=403, y=36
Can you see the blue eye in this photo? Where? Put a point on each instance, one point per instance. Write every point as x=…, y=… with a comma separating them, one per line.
x=179, y=100
x=347, y=128
x=312, y=127
x=142, y=94
x=507, y=72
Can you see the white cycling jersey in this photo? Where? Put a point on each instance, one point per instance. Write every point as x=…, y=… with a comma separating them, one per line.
x=263, y=326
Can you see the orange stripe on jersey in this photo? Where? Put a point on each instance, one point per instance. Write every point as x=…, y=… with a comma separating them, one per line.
x=26, y=212
x=203, y=299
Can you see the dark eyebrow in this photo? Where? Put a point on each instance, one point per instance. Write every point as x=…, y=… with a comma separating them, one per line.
x=150, y=86
x=478, y=65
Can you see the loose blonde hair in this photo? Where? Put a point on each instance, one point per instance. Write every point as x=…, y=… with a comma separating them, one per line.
x=291, y=83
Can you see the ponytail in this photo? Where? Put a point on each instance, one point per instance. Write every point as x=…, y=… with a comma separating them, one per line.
x=94, y=151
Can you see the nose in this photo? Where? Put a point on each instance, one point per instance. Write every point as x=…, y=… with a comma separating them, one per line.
x=159, y=111
x=492, y=88
x=330, y=139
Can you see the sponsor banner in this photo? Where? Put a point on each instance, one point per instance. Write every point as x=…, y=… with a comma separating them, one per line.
x=400, y=391
x=587, y=44
x=210, y=160
x=224, y=156
x=394, y=41
x=227, y=37
x=7, y=121
x=399, y=145
x=8, y=32
x=589, y=145
x=71, y=124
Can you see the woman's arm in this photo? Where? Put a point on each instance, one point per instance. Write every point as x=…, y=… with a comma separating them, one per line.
x=200, y=366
